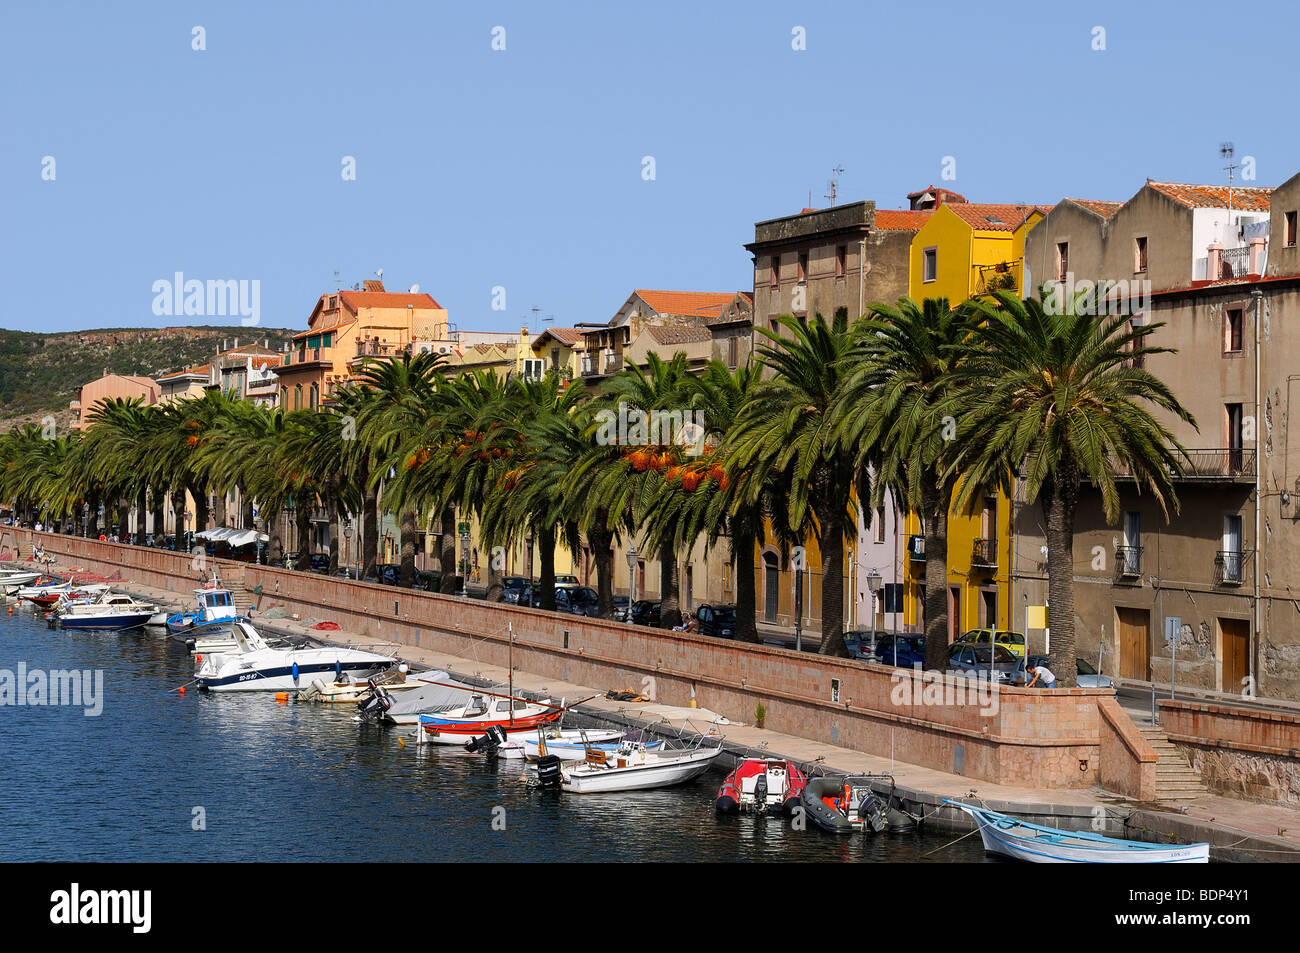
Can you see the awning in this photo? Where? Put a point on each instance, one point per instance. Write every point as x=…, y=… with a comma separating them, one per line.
x=233, y=537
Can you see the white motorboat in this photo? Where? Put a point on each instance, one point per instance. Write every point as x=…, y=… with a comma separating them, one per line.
x=1036, y=844
x=567, y=744
x=12, y=579
x=342, y=693
x=111, y=611
x=636, y=767
x=255, y=666
x=437, y=696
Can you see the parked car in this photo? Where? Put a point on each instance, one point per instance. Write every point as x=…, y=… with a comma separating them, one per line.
x=718, y=621
x=1085, y=675
x=973, y=661
x=622, y=608
x=568, y=582
x=861, y=643
x=645, y=612
x=580, y=600
x=320, y=562
x=513, y=587
x=901, y=651
x=428, y=580
x=1013, y=642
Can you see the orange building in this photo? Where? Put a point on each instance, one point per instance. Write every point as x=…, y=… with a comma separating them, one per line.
x=108, y=387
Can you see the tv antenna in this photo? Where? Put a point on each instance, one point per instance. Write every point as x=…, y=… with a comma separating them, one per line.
x=337, y=283
x=835, y=181
x=1227, y=152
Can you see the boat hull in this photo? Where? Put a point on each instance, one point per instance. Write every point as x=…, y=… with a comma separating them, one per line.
x=440, y=730
x=660, y=773
x=130, y=620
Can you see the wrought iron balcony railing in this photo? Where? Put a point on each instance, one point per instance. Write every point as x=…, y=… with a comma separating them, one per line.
x=1229, y=567
x=1229, y=464
x=916, y=548
x=1128, y=561
x=984, y=552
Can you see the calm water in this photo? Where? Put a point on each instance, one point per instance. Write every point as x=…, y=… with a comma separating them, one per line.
x=306, y=782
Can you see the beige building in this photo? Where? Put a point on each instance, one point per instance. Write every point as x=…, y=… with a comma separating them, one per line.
x=110, y=387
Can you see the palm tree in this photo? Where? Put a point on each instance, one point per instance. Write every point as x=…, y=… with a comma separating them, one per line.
x=787, y=428
x=897, y=414
x=1060, y=396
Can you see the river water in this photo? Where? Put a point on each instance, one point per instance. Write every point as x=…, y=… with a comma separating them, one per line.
x=159, y=776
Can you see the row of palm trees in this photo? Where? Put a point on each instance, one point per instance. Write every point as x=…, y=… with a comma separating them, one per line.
x=923, y=405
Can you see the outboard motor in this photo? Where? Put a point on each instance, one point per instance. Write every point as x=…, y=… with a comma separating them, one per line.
x=376, y=703
x=488, y=743
x=760, y=794
x=872, y=814
x=548, y=771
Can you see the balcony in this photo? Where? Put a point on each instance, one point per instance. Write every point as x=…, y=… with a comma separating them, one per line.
x=984, y=553
x=1226, y=465
x=916, y=549
x=1229, y=567
x=1128, y=562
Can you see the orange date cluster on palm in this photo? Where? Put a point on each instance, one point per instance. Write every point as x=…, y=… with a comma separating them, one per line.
x=668, y=461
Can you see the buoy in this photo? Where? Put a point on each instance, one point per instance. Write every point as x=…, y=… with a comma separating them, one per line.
x=198, y=660
x=282, y=697
x=181, y=689
x=402, y=742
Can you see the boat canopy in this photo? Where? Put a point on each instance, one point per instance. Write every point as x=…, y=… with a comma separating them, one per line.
x=233, y=537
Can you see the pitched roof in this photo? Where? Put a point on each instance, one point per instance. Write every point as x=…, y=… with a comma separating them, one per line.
x=201, y=370
x=332, y=327
x=1097, y=207
x=566, y=336
x=701, y=303
x=992, y=217
x=902, y=219
x=1245, y=199
x=930, y=188
x=387, y=299
x=669, y=335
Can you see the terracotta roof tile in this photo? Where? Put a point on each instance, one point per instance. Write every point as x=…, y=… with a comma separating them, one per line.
x=991, y=217
x=566, y=336
x=931, y=189
x=1097, y=207
x=902, y=219
x=1246, y=199
x=387, y=299
x=702, y=303
x=668, y=335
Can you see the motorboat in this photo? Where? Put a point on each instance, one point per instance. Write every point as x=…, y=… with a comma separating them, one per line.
x=760, y=785
x=12, y=579
x=48, y=595
x=213, y=603
x=438, y=696
x=567, y=744
x=110, y=611
x=634, y=766
x=845, y=804
x=484, y=710
x=1010, y=837
x=353, y=692
x=255, y=666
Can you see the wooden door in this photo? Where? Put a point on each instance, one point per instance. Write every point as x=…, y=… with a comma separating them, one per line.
x=771, y=594
x=1234, y=655
x=1134, y=627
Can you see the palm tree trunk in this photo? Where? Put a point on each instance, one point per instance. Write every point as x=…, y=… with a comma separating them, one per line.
x=670, y=602
x=832, y=546
x=447, y=551
x=245, y=509
x=336, y=518
x=407, y=578
x=495, y=591
x=1060, y=497
x=746, y=591
x=934, y=504
x=221, y=508
x=123, y=519
x=546, y=553
x=369, y=532
x=201, y=509
x=159, y=500
x=600, y=538
x=140, y=503
x=303, y=518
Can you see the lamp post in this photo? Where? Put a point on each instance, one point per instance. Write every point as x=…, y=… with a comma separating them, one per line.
x=873, y=586
x=464, y=576
x=632, y=556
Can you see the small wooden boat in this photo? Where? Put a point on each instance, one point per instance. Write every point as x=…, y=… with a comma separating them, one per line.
x=845, y=804
x=759, y=785
x=1036, y=844
x=635, y=767
x=461, y=725
x=567, y=744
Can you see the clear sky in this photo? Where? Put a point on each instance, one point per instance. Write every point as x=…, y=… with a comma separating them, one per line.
x=524, y=168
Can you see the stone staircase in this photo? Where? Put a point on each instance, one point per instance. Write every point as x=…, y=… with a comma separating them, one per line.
x=1176, y=780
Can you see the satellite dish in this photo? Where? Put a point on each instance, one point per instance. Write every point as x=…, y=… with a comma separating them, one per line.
x=414, y=288
x=379, y=273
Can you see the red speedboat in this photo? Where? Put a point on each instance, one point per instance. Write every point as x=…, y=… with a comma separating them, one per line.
x=461, y=725
x=759, y=785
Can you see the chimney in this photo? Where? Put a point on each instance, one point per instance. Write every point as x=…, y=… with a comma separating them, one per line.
x=1258, y=246
x=236, y=344
x=1214, y=262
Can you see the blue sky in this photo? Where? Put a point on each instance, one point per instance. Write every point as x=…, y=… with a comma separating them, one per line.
x=522, y=168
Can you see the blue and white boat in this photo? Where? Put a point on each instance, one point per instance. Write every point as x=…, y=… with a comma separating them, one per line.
x=213, y=604
x=111, y=611
x=1036, y=844
x=255, y=666
x=568, y=744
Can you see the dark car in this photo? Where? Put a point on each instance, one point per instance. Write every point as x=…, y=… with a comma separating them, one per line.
x=718, y=621
x=901, y=651
x=622, y=608
x=861, y=643
x=580, y=601
x=386, y=574
x=429, y=580
x=320, y=562
x=973, y=661
x=513, y=587
x=645, y=612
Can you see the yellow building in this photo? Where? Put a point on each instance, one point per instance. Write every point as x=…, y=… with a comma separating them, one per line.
x=963, y=251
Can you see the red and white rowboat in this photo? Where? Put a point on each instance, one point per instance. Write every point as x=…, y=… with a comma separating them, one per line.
x=459, y=726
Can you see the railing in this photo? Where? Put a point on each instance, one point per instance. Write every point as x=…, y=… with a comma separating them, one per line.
x=303, y=352
x=1128, y=561
x=1236, y=262
x=613, y=363
x=984, y=552
x=916, y=548
x=1227, y=463
x=371, y=349
x=1229, y=567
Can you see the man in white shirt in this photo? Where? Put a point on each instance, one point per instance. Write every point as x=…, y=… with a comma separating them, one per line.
x=1043, y=673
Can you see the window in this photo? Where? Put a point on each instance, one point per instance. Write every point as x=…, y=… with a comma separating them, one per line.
x=1235, y=436
x=1062, y=260
x=1139, y=361
x=803, y=267
x=841, y=260
x=774, y=271
x=313, y=395
x=535, y=368
x=1140, y=254
x=929, y=264
x=297, y=397
x=1232, y=324
x=733, y=351
x=555, y=358
x=878, y=526
x=1290, y=229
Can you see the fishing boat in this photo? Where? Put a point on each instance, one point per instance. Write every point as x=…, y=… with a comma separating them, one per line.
x=353, y=692
x=112, y=611
x=213, y=603
x=635, y=766
x=1010, y=837
x=567, y=744
x=257, y=666
x=845, y=804
x=437, y=696
x=461, y=725
x=49, y=594
x=759, y=785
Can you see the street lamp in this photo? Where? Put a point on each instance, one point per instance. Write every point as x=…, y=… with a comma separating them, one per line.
x=464, y=576
x=632, y=556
